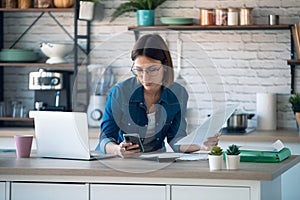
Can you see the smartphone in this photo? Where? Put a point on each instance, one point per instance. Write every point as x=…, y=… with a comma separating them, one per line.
x=134, y=138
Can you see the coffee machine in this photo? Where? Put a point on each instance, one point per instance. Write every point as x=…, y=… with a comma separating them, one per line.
x=52, y=90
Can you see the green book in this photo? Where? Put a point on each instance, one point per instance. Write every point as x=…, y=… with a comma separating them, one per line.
x=264, y=156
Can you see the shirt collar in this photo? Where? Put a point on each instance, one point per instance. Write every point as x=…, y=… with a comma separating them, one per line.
x=138, y=95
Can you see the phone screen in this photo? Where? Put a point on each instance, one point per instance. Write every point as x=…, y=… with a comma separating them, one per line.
x=134, y=138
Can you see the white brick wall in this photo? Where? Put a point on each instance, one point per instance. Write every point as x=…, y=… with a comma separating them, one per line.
x=236, y=64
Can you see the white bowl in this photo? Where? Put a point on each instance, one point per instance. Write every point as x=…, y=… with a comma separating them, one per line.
x=56, y=51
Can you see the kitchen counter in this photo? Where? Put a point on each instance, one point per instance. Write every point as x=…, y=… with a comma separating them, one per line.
x=255, y=179
x=132, y=167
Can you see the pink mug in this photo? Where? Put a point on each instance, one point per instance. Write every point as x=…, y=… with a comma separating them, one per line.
x=23, y=145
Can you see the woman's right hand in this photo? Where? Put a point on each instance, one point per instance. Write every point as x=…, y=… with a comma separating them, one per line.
x=124, y=149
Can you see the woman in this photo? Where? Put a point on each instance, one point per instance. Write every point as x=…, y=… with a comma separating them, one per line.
x=150, y=104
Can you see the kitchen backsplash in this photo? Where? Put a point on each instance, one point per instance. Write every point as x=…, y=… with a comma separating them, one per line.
x=216, y=65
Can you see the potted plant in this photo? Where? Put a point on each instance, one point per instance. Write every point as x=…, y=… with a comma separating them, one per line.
x=215, y=158
x=86, y=9
x=144, y=10
x=295, y=101
x=233, y=157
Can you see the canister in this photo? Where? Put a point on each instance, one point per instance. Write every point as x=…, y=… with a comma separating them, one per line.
x=233, y=16
x=246, y=17
x=23, y=4
x=273, y=19
x=221, y=16
x=10, y=3
x=206, y=16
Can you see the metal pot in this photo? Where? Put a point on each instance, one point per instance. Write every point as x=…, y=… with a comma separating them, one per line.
x=238, y=121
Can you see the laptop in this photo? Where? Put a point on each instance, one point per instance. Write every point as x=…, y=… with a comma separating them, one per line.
x=63, y=135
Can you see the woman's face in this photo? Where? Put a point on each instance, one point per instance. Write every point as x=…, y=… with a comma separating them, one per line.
x=149, y=72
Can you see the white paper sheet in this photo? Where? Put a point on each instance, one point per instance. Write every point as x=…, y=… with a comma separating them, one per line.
x=275, y=147
x=210, y=126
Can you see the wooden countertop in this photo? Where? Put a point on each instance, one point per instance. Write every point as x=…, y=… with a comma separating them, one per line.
x=118, y=167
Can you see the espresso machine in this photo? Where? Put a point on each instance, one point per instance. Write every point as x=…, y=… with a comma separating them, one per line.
x=52, y=90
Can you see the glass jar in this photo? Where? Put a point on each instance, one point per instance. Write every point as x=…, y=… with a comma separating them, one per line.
x=23, y=4
x=206, y=16
x=246, y=17
x=233, y=17
x=42, y=3
x=221, y=16
x=10, y=3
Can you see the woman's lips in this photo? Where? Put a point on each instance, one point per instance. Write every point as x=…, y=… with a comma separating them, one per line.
x=147, y=83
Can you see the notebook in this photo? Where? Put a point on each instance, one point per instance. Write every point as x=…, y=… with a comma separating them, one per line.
x=63, y=135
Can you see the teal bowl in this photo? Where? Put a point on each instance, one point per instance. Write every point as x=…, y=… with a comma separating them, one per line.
x=176, y=21
x=18, y=55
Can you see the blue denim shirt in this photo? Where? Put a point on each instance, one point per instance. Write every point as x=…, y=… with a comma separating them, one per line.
x=126, y=112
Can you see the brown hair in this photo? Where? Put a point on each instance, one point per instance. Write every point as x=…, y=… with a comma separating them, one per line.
x=153, y=46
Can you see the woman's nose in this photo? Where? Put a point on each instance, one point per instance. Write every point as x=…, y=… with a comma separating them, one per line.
x=145, y=75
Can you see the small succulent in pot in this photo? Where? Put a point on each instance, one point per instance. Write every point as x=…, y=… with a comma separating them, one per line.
x=216, y=151
x=233, y=150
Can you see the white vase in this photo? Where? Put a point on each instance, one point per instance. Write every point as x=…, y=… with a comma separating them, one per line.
x=215, y=162
x=86, y=10
x=232, y=162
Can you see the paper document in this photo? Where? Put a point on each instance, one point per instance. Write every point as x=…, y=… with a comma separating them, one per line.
x=170, y=156
x=210, y=126
x=275, y=147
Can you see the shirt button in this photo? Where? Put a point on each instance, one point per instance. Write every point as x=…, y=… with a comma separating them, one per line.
x=157, y=139
x=129, y=124
x=146, y=125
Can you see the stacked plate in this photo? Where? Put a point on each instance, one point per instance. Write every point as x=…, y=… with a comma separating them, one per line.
x=18, y=55
x=176, y=20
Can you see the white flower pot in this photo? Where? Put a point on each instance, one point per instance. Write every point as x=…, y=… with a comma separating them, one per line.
x=86, y=10
x=215, y=162
x=232, y=162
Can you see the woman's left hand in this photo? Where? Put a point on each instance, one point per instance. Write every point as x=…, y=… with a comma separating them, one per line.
x=212, y=141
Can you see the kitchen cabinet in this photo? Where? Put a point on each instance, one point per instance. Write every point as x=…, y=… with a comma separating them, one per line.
x=210, y=192
x=132, y=192
x=2, y=190
x=49, y=191
x=75, y=37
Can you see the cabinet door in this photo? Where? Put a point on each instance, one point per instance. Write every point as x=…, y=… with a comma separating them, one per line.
x=132, y=192
x=209, y=192
x=49, y=191
x=2, y=191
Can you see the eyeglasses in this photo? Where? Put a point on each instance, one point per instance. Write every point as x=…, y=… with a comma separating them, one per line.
x=151, y=71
